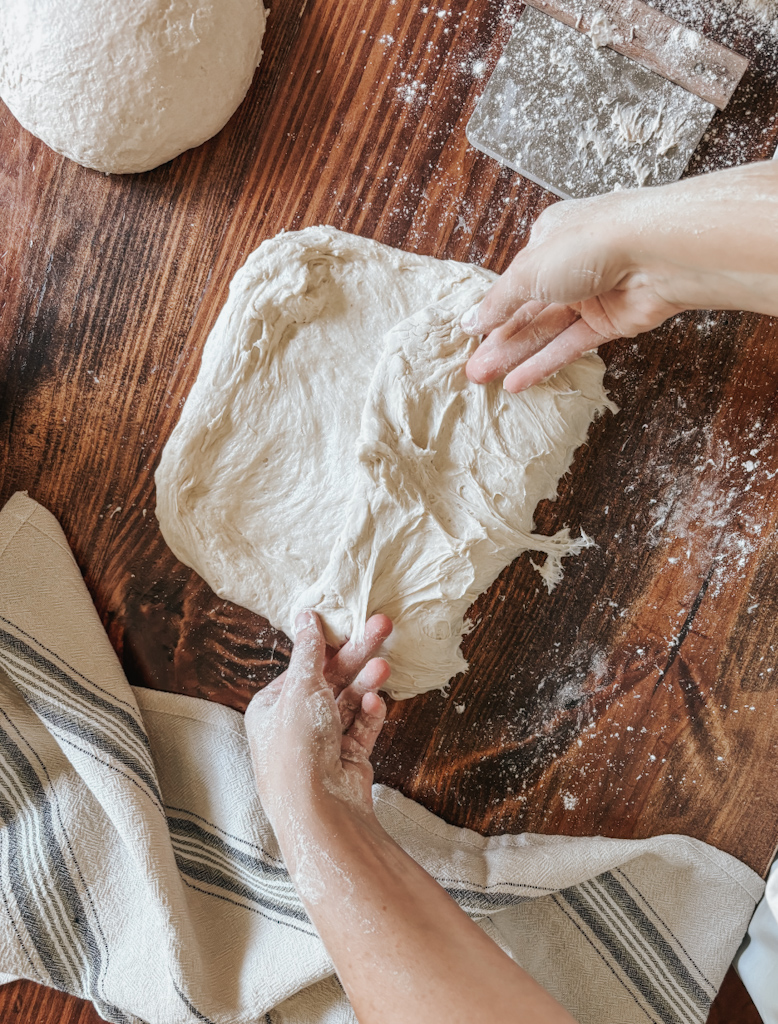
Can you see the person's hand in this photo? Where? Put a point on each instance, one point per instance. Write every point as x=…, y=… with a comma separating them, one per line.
x=573, y=287
x=620, y=264
x=312, y=730
x=402, y=948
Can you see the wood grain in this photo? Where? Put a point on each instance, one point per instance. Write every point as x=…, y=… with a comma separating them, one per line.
x=24, y=1002
x=639, y=697
x=733, y=1003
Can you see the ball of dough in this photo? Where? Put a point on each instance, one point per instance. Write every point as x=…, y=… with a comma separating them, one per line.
x=124, y=85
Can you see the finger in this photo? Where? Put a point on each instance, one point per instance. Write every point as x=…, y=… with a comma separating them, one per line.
x=343, y=668
x=505, y=347
x=371, y=678
x=522, y=316
x=569, y=346
x=368, y=723
x=307, y=660
x=515, y=287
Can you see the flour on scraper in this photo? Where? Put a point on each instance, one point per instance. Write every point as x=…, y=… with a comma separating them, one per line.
x=125, y=85
x=333, y=455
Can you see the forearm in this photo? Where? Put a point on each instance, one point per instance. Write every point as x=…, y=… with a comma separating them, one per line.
x=403, y=949
x=711, y=241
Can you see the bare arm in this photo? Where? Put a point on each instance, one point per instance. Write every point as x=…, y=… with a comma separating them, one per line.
x=402, y=948
x=620, y=264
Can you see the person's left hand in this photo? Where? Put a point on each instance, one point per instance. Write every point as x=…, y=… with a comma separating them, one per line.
x=312, y=730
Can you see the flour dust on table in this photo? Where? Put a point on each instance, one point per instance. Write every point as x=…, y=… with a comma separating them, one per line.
x=333, y=455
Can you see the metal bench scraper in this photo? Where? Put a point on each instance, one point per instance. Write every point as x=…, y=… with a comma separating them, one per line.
x=590, y=97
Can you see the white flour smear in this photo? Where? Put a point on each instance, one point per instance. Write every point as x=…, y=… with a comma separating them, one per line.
x=758, y=10
x=726, y=17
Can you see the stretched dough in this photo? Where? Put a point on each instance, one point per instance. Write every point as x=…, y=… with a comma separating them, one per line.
x=332, y=453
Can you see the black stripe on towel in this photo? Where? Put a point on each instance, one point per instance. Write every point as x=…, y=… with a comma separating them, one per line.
x=211, y=861
x=634, y=951
x=73, y=704
x=67, y=960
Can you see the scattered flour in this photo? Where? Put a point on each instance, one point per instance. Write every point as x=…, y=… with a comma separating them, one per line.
x=765, y=11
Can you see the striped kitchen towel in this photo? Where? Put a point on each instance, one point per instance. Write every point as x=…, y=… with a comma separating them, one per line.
x=137, y=869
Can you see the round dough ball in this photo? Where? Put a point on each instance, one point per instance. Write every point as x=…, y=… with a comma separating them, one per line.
x=124, y=85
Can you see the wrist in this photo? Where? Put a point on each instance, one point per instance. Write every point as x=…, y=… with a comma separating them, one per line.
x=315, y=813
x=318, y=839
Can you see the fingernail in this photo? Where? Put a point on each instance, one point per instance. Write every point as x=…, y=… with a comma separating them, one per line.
x=470, y=320
x=303, y=620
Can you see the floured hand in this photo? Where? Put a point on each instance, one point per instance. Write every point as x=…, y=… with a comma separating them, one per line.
x=590, y=293
x=402, y=948
x=312, y=730
x=620, y=264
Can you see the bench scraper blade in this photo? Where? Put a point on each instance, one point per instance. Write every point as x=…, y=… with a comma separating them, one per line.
x=581, y=119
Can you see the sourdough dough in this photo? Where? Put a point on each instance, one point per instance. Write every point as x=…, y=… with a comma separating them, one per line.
x=124, y=85
x=333, y=455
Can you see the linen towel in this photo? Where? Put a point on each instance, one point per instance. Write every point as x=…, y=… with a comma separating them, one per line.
x=137, y=868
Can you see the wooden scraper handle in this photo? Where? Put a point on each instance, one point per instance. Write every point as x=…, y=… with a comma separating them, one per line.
x=659, y=43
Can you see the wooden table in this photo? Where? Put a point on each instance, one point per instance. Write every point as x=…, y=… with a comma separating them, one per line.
x=639, y=697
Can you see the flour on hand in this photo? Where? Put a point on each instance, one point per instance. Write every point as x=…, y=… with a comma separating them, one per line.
x=333, y=455
x=124, y=87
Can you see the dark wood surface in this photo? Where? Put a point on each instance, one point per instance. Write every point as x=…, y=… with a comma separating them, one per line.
x=639, y=698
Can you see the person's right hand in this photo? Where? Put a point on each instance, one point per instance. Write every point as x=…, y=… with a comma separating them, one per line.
x=574, y=286
x=620, y=264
